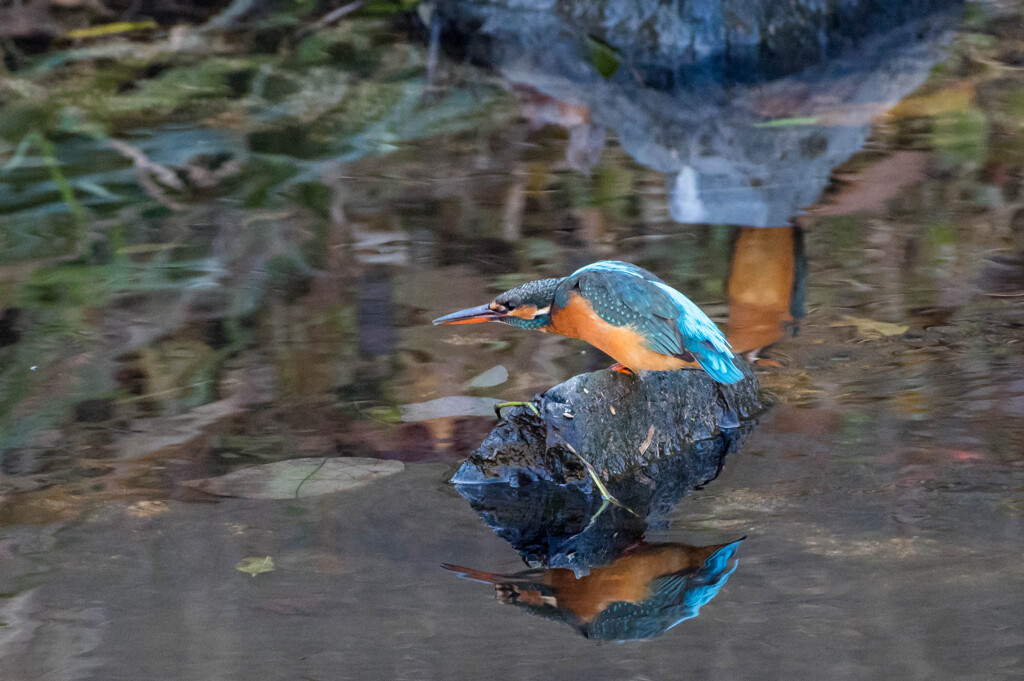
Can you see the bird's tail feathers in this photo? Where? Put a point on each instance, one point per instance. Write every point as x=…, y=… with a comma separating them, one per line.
x=720, y=367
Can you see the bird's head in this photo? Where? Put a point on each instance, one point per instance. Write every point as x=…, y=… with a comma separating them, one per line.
x=527, y=306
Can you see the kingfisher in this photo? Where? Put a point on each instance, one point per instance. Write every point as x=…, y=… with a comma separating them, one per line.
x=641, y=594
x=627, y=312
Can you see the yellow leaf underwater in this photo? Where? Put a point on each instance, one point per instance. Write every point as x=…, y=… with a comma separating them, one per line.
x=870, y=328
x=254, y=566
x=298, y=478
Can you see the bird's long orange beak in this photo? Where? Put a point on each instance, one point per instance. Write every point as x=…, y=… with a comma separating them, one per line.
x=473, y=315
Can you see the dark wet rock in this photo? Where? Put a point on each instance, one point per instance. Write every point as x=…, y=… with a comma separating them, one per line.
x=559, y=526
x=620, y=424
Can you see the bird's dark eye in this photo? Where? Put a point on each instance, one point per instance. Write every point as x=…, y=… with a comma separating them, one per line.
x=510, y=305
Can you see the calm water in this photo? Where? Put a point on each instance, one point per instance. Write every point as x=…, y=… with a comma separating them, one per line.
x=855, y=225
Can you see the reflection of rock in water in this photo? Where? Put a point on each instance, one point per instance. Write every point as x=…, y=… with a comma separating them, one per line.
x=689, y=99
x=642, y=594
x=555, y=525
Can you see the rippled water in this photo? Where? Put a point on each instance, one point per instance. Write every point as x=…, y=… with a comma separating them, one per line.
x=276, y=305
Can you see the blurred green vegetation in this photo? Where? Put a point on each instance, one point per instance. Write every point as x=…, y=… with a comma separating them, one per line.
x=118, y=143
x=174, y=194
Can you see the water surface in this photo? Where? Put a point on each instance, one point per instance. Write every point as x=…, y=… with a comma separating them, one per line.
x=275, y=304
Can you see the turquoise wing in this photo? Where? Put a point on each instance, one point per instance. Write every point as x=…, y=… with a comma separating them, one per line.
x=626, y=295
x=621, y=295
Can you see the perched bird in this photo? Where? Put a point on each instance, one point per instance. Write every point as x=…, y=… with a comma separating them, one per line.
x=621, y=309
x=641, y=594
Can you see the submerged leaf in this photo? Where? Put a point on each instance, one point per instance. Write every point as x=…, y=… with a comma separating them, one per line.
x=788, y=122
x=298, y=478
x=492, y=377
x=446, y=407
x=870, y=328
x=602, y=57
x=254, y=566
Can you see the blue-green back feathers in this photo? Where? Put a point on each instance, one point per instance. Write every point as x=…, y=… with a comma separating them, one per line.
x=538, y=322
x=626, y=295
x=674, y=598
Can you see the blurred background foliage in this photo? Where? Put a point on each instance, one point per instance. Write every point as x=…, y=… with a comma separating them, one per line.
x=151, y=152
x=218, y=209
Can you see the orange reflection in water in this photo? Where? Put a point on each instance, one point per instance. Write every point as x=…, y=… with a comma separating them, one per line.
x=760, y=287
x=639, y=595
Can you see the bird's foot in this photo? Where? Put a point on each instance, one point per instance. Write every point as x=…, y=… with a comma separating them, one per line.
x=501, y=405
x=622, y=369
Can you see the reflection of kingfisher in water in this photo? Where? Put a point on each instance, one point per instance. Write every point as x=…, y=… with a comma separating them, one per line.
x=640, y=595
x=622, y=309
x=767, y=276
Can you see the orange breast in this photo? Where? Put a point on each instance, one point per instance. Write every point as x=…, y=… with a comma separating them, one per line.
x=627, y=579
x=623, y=343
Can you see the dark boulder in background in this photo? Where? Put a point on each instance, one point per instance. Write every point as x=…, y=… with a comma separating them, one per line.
x=747, y=106
x=741, y=40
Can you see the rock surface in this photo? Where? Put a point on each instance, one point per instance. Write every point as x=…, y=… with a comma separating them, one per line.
x=620, y=424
